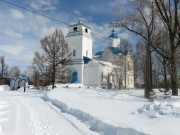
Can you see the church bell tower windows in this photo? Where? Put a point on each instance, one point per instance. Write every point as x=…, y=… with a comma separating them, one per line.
x=74, y=52
x=86, y=30
x=75, y=28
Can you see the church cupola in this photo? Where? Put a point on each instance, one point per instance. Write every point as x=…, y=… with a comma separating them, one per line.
x=113, y=39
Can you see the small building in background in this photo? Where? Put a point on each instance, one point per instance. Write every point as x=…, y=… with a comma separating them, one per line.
x=5, y=80
x=18, y=82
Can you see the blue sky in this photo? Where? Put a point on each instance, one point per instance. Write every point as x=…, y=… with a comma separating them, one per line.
x=21, y=31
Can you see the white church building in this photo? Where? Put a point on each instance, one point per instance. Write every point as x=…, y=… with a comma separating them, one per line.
x=111, y=68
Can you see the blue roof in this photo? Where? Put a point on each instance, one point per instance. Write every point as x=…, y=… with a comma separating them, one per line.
x=99, y=53
x=113, y=35
x=114, y=50
x=86, y=59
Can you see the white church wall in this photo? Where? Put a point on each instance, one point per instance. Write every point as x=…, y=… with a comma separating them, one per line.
x=107, y=55
x=75, y=42
x=79, y=69
x=107, y=69
x=128, y=73
x=87, y=46
x=92, y=74
x=80, y=43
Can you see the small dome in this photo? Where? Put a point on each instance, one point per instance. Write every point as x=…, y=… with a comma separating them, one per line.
x=113, y=35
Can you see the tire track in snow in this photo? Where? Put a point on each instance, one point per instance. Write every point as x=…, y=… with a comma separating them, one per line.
x=71, y=120
x=3, y=112
x=39, y=121
x=94, y=123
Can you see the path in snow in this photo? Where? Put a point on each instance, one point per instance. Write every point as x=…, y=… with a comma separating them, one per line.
x=26, y=113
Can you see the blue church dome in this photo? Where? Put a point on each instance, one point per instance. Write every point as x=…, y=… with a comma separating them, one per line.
x=113, y=35
x=114, y=50
x=99, y=53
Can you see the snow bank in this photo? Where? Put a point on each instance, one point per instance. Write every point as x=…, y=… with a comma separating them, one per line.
x=4, y=87
x=93, y=122
x=109, y=112
x=71, y=85
x=157, y=109
x=1, y=130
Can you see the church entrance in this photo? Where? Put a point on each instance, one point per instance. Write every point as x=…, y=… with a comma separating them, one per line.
x=74, y=77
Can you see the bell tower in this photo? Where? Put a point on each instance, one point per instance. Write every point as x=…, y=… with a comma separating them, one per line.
x=79, y=40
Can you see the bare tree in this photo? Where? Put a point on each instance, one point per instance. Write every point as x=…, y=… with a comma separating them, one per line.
x=126, y=46
x=139, y=64
x=141, y=22
x=164, y=70
x=15, y=71
x=2, y=67
x=118, y=73
x=55, y=58
x=169, y=15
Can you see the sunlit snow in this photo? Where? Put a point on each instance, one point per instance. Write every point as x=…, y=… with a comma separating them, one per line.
x=72, y=109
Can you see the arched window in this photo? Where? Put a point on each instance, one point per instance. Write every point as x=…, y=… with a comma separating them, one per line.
x=74, y=52
x=86, y=30
x=75, y=28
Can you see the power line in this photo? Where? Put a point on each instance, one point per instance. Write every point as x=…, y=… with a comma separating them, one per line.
x=43, y=15
x=34, y=12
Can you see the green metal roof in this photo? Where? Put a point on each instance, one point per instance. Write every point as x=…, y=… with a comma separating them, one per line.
x=78, y=23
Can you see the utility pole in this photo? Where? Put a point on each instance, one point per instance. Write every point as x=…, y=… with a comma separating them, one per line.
x=2, y=66
x=125, y=75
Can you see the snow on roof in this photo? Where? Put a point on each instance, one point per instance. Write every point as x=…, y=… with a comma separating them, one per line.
x=105, y=63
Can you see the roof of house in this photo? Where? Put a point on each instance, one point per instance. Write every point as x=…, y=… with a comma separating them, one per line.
x=79, y=23
x=114, y=50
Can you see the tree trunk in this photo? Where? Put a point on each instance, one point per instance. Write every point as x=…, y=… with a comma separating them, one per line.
x=148, y=87
x=173, y=73
x=54, y=70
x=125, y=76
x=165, y=75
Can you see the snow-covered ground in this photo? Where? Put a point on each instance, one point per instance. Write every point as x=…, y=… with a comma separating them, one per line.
x=75, y=110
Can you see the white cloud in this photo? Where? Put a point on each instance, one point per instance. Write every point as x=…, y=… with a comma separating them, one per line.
x=124, y=35
x=33, y=27
x=109, y=7
x=76, y=12
x=16, y=14
x=43, y=4
x=12, y=33
x=13, y=49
